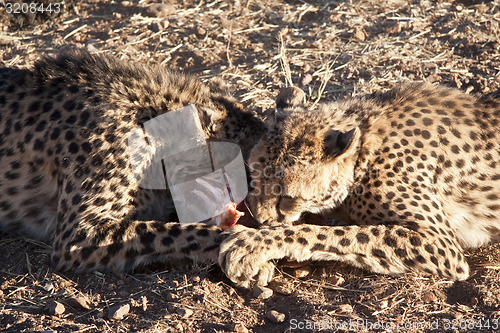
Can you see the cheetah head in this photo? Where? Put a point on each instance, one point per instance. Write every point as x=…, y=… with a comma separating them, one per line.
x=305, y=163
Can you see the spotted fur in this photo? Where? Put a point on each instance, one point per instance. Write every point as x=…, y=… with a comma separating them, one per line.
x=416, y=170
x=65, y=173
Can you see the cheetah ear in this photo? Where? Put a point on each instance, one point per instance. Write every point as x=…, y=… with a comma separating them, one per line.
x=337, y=142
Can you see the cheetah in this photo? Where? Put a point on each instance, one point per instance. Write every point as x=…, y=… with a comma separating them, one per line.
x=65, y=175
x=415, y=171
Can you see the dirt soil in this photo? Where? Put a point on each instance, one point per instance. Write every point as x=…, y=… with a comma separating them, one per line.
x=331, y=49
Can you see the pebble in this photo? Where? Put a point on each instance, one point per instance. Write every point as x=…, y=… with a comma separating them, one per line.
x=336, y=280
x=306, y=79
x=343, y=308
x=275, y=317
x=159, y=26
x=200, y=298
x=282, y=289
x=302, y=272
x=360, y=34
x=262, y=292
x=118, y=312
x=55, y=308
x=48, y=287
x=429, y=297
x=170, y=308
x=79, y=302
x=170, y=297
x=394, y=28
x=91, y=48
x=159, y=10
x=184, y=312
x=237, y=328
x=201, y=31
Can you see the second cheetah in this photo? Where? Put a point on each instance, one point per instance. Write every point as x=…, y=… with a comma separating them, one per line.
x=415, y=169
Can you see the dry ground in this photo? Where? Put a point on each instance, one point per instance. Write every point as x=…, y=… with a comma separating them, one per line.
x=258, y=47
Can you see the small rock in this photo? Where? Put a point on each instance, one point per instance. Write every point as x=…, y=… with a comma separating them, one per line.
x=262, y=292
x=201, y=31
x=238, y=328
x=200, y=298
x=360, y=34
x=429, y=297
x=159, y=26
x=179, y=327
x=170, y=297
x=394, y=28
x=433, y=78
x=282, y=289
x=1, y=293
x=144, y=303
x=275, y=317
x=184, y=312
x=196, y=279
x=159, y=10
x=382, y=304
x=91, y=48
x=343, y=308
x=290, y=96
x=79, y=302
x=302, y=272
x=170, y=308
x=118, y=312
x=306, y=79
x=336, y=280
x=48, y=287
x=55, y=308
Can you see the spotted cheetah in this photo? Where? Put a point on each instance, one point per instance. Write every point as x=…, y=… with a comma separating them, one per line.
x=415, y=170
x=65, y=173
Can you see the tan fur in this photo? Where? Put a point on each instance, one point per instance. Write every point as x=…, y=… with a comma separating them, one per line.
x=420, y=183
x=65, y=171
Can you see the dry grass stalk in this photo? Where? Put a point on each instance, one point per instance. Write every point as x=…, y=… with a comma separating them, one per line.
x=285, y=67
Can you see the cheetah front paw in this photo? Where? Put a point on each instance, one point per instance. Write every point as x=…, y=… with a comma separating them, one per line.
x=246, y=258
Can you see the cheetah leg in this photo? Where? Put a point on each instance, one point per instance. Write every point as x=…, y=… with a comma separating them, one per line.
x=94, y=231
x=246, y=254
x=124, y=245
